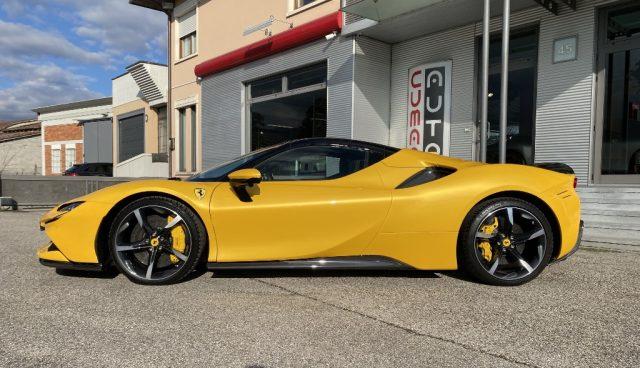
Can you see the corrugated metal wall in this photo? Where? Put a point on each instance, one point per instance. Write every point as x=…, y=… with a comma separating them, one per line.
x=223, y=95
x=564, y=115
x=564, y=109
x=456, y=45
x=98, y=141
x=372, y=90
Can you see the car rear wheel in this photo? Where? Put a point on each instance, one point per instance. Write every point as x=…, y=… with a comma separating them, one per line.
x=505, y=241
x=156, y=240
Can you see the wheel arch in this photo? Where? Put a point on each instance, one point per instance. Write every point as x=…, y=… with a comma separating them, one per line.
x=536, y=201
x=101, y=244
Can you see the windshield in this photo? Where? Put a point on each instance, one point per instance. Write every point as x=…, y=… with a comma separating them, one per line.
x=221, y=171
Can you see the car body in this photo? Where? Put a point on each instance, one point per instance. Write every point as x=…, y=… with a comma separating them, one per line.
x=399, y=209
x=90, y=169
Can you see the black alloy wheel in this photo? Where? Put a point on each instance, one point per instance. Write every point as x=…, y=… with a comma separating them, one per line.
x=157, y=240
x=506, y=242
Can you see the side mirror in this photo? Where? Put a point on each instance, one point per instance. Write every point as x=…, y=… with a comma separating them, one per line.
x=244, y=177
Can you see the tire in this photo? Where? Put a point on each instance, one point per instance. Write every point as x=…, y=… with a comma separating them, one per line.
x=515, y=255
x=160, y=229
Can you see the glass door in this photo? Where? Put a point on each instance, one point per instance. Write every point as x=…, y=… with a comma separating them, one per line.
x=523, y=65
x=618, y=125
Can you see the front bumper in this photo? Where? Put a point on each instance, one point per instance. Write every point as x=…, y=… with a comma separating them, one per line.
x=575, y=247
x=50, y=256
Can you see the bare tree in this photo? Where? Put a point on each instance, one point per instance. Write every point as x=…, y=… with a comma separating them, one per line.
x=6, y=158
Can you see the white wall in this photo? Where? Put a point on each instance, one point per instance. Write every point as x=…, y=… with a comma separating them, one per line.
x=372, y=76
x=73, y=115
x=21, y=157
x=125, y=90
x=141, y=166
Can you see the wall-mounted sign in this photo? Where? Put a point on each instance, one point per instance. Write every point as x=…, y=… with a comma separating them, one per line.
x=429, y=108
x=565, y=49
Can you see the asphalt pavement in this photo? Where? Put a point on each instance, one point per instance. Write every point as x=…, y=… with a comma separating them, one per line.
x=584, y=312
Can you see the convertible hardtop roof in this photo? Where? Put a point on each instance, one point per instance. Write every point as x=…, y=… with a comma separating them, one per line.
x=304, y=142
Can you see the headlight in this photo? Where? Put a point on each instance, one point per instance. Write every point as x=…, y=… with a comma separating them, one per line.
x=66, y=207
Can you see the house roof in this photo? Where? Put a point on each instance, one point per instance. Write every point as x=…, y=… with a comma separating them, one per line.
x=13, y=130
x=74, y=105
x=151, y=4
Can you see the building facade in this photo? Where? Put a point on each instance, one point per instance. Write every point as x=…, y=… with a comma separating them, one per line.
x=63, y=140
x=407, y=74
x=20, y=148
x=201, y=30
x=139, y=129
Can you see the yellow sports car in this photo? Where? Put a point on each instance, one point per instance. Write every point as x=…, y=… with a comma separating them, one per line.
x=327, y=204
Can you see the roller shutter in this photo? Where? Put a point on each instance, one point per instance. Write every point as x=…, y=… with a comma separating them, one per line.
x=130, y=137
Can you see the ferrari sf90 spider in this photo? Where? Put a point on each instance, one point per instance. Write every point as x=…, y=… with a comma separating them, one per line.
x=326, y=204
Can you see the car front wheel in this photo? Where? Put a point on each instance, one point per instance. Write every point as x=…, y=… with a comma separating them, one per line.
x=156, y=240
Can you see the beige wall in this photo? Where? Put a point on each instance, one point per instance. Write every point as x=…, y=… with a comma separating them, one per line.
x=150, y=127
x=220, y=27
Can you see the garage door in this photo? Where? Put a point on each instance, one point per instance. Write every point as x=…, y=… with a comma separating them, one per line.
x=130, y=136
x=98, y=141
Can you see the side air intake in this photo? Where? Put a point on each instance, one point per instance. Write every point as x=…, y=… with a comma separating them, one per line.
x=425, y=176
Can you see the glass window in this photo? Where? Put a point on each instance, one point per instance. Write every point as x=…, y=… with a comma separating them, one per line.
x=70, y=157
x=288, y=118
x=317, y=163
x=624, y=23
x=188, y=45
x=308, y=76
x=523, y=63
x=266, y=86
x=182, y=131
x=162, y=130
x=55, y=160
x=194, y=139
x=280, y=110
x=621, y=131
x=301, y=3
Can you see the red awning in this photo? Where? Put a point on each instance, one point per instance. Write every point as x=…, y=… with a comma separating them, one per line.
x=286, y=40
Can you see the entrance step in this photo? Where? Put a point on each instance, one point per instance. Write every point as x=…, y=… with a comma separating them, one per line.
x=625, y=209
x=608, y=189
x=611, y=214
x=598, y=235
x=613, y=220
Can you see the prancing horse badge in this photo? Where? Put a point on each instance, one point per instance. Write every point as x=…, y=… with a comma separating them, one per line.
x=200, y=193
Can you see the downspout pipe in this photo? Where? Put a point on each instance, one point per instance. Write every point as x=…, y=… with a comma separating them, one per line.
x=484, y=120
x=169, y=102
x=504, y=92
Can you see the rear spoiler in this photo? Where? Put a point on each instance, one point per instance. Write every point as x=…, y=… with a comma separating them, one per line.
x=556, y=166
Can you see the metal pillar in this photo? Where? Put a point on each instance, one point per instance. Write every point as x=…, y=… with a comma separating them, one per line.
x=484, y=121
x=504, y=91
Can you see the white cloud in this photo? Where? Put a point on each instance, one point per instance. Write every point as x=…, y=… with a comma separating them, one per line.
x=37, y=38
x=121, y=28
x=38, y=85
x=20, y=40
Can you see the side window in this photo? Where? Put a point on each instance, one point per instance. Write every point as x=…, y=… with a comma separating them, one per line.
x=317, y=163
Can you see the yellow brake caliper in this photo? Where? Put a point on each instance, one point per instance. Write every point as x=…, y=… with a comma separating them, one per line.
x=484, y=246
x=179, y=241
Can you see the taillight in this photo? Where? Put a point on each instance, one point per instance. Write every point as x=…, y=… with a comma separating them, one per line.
x=575, y=183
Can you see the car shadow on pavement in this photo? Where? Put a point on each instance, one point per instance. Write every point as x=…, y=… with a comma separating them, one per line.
x=88, y=274
x=230, y=274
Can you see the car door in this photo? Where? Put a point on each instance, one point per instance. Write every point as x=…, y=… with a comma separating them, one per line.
x=318, y=201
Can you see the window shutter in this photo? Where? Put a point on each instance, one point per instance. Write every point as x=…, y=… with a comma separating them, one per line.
x=187, y=23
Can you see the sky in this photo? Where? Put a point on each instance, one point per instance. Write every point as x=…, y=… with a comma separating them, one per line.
x=59, y=51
